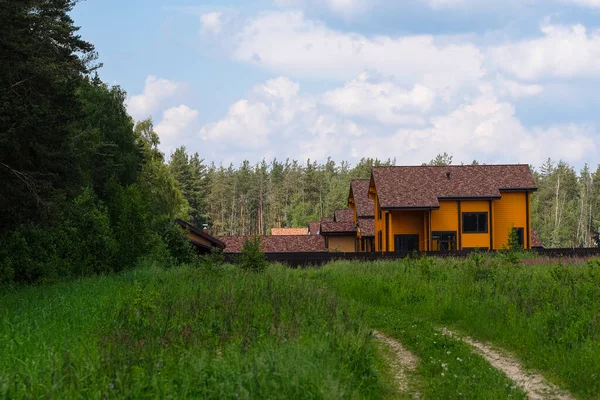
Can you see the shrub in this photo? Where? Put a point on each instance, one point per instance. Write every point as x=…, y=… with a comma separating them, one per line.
x=252, y=258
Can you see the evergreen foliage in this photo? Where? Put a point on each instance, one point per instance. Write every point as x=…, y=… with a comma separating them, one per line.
x=82, y=190
x=252, y=259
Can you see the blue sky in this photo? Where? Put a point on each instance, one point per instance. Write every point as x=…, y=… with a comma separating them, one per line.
x=500, y=82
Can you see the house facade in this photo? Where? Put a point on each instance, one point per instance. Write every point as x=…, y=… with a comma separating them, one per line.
x=363, y=215
x=340, y=234
x=448, y=208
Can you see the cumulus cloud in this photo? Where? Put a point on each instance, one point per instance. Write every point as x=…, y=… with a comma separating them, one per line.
x=175, y=120
x=156, y=91
x=288, y=43
x=562, y=51
x=483, y=129
x=211, y=23
x=246, y=125
x=384, y=102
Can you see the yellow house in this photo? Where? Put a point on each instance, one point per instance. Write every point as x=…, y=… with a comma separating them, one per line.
x=430, y=208
x=340, y=234
x=363, y=215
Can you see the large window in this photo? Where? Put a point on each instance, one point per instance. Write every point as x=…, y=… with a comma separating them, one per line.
x=443, y=241
x=475, y=222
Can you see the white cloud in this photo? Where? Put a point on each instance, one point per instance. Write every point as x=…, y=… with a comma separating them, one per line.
x=515, y=89
x=384, y=102
x=288, y=43
x=585, y=3
x=211, y=23
x=563, y=51
x=156, y=90
x=175, y=120
x=246, y=125
x=485, y=129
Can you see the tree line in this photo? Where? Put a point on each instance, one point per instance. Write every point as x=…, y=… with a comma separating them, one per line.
x=83, y=189
x=250, y=199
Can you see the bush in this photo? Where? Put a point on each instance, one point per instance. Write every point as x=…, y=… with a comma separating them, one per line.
x=252, y=258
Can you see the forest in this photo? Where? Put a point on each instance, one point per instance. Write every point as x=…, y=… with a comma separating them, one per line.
x=252, y=199
x=84, y=189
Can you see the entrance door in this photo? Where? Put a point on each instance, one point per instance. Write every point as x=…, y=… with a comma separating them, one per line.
x=406, y=242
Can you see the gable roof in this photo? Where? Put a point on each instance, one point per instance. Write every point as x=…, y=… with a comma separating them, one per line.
x=191, y=228
x=367, y=227
x=289, y=231
x=365, y=207
x=330, y=228
x=314, y=228
x=345, y=215
x=422, y=186
x=278, y=244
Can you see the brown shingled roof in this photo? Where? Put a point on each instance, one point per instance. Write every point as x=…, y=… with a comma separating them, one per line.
x=345, y=215
x=422, y=186
x=337, y=228
x=289, y=231
x=314, y=228
x=367, y=227
x=278, y=244
x=365, y=207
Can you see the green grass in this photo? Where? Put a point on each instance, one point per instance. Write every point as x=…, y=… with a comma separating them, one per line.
x=548, y=315
x=185, y=333
x=225, y=333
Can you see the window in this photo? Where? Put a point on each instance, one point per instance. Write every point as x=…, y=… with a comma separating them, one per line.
x=475, y=222
x=406, y=242
x=380, y=237
x=444, y=241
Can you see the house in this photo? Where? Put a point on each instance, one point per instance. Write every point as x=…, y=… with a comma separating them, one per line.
x=278, y=244
x=289, y=231
x=314, y=228
x=200, y=239
x=363, y=214
x=340, y=234
x=445, y=208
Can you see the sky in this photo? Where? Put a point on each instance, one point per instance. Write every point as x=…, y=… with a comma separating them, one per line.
x=512, y=81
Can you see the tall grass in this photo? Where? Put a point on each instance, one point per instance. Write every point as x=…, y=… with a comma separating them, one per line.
x=549, y=315
x=185, y=333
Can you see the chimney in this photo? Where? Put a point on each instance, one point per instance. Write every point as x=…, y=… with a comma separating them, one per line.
x=205, y=228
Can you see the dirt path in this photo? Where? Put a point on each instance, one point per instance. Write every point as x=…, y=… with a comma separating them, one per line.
x=535, y=386
x=403, y=362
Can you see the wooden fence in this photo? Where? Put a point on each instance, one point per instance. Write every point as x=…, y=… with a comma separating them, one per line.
x=296, y=260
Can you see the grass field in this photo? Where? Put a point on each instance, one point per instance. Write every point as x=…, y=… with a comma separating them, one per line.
x=548, y=315
x=224, y=333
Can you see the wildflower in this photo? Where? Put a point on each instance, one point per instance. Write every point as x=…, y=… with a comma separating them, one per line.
x=448, y=352
x=443, y=374
x=458, y=359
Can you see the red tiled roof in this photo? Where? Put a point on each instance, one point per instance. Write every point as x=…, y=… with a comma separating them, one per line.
x=422, y=186
x=326, y=219
x=289, y=231
x=345, y=215
x=365, y=207
x=535, y=239
x=337, y=227
x=314, y=228
x=278, y=244
x=367, y=227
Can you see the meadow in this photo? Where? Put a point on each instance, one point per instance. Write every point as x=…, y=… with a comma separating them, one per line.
x=221, y=332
